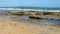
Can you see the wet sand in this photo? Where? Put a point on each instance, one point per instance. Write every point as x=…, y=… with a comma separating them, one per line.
x=8, y=26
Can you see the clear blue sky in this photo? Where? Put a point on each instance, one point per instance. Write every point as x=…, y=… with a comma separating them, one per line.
x=37, y=3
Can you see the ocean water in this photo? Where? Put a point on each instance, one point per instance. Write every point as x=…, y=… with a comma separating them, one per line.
x=38, y=8
x=31, y=8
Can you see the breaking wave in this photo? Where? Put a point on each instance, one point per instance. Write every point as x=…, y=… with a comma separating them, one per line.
x=30, y=9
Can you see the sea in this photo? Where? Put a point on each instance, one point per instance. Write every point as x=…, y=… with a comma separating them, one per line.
x=7, y=9
x=49, y=9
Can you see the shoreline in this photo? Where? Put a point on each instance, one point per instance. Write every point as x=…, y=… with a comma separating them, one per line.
x=12, y=27
x=9, y=24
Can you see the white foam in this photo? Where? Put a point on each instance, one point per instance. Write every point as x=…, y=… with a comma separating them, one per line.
x=28, y=9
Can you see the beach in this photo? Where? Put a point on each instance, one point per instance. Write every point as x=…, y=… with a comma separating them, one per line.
x=29, y=16
x=9, y=26
x=29, y=22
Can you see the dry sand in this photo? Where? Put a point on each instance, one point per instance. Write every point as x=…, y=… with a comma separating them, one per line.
x=11, y=27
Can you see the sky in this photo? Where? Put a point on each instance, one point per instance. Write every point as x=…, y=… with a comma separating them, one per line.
x=34, y=3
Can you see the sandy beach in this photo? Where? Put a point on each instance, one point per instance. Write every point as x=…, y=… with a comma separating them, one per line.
x=12, y=27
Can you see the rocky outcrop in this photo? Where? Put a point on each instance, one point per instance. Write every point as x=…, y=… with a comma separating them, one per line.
x=34, y=13
x=40, y=14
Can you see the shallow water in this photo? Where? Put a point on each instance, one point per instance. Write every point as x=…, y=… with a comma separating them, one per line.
x=39, y=20
x=4, y=10
x=26, y=19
